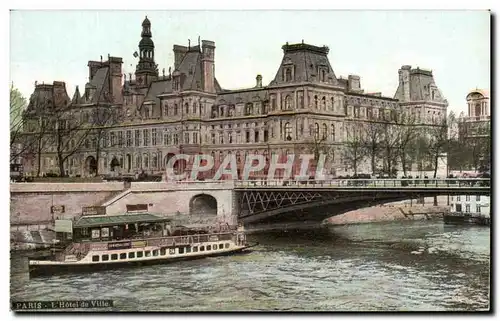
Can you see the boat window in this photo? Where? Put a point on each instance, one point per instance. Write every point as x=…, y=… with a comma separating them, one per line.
x=95, y=258
x=114, y=256
x=155, y=252
x=227, y=245
x=202, y=248
x=221, y=246
x=195, y=249
x=123, y=256
x=188, y=249
x=148, y=253
x=105, y=257
x=131, y=255
x=181, y=250
x=163, y=251
x=139, y=254
x=171, y=251
x=209, y=247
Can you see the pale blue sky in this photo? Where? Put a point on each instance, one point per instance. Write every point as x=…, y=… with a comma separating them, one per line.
x=56, y=45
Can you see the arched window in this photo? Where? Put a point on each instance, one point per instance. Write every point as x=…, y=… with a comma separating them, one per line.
x=316, y=102
x=332, y=132
x=316, y=131
x=154, y=162
x=165, y=110
x=332, y=107
x=323, y=100
x=249, y=109
x=138, y=163
x=288, y=131
x=325, y=131
x=288, y=74
x=186, y=106
x=146, y=161
x=323, y=75
x=195, y=106
x=176, y=109
x=288, y=102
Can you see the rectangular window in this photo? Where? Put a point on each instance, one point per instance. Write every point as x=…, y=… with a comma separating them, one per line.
x=202, y=248
x=155, y=252
x=129, y=138
x=148, y=253
x=140, y=254
x=478, y=198
x=137, y=137
x=105, y=257
x=188, y=249
x=153, y=137
x=458, y=198
x=213, y=138
x=467, y=208
x=145, y=136
x=221, y=138
x=176, y=139
x=163, y=251
x=195, y=138
x=195, y=249
x=227, y=245
x=169, y=139
x=95, y=258
x=131, y=255
x=113, y=139
x=114, y=256
x=209, y=247
x=247, y=134
x=181, y=250
x=221, y=246
x=123, y=256
x=467, y=198
x=256, y=136
x=478, y=209
x=186, y=138
x=120, y=138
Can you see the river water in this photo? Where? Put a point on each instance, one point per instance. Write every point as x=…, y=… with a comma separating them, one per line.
x=366, y=267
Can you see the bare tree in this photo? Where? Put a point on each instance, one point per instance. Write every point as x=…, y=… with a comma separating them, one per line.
x=68, y=134
x=354, y=151
x=408, y=134
x=372, y=140
x=438, y=138
x=390, y=142
x=103, y=116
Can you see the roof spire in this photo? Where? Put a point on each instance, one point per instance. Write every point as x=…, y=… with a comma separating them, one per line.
x=189, y=43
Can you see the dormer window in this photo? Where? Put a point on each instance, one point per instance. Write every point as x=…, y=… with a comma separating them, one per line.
x=288, y=74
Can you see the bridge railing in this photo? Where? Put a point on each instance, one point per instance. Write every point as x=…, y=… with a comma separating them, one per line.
x=370, y=183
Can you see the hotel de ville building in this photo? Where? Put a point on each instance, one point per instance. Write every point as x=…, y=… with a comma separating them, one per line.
x=185, y=110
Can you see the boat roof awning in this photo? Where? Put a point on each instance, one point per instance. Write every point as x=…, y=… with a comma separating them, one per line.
x=110, y=220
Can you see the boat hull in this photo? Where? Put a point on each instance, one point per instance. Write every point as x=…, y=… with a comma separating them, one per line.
x=466, y=220
x=40, y=270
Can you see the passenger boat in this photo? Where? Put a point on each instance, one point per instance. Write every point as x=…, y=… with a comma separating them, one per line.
x=92, y=243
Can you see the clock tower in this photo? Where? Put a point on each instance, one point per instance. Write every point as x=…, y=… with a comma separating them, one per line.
x=146, y=70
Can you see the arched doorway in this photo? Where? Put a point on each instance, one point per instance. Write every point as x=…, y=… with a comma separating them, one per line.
x=203, y=204
x=114, y=163
x=90, y=166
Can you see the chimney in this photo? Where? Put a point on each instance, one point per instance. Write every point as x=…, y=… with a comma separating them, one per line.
x=259, y=81
x=404, y=81
x=353, y=83
x=115, y=67
x=179, y=52
x=208, y=66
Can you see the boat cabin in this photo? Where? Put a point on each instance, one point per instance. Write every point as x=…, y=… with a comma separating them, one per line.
x=117, y=227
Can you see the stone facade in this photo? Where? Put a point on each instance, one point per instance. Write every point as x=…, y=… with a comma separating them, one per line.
x=187, y=111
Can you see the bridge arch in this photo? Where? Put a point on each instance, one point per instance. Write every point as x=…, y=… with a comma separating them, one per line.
x=203, y=204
